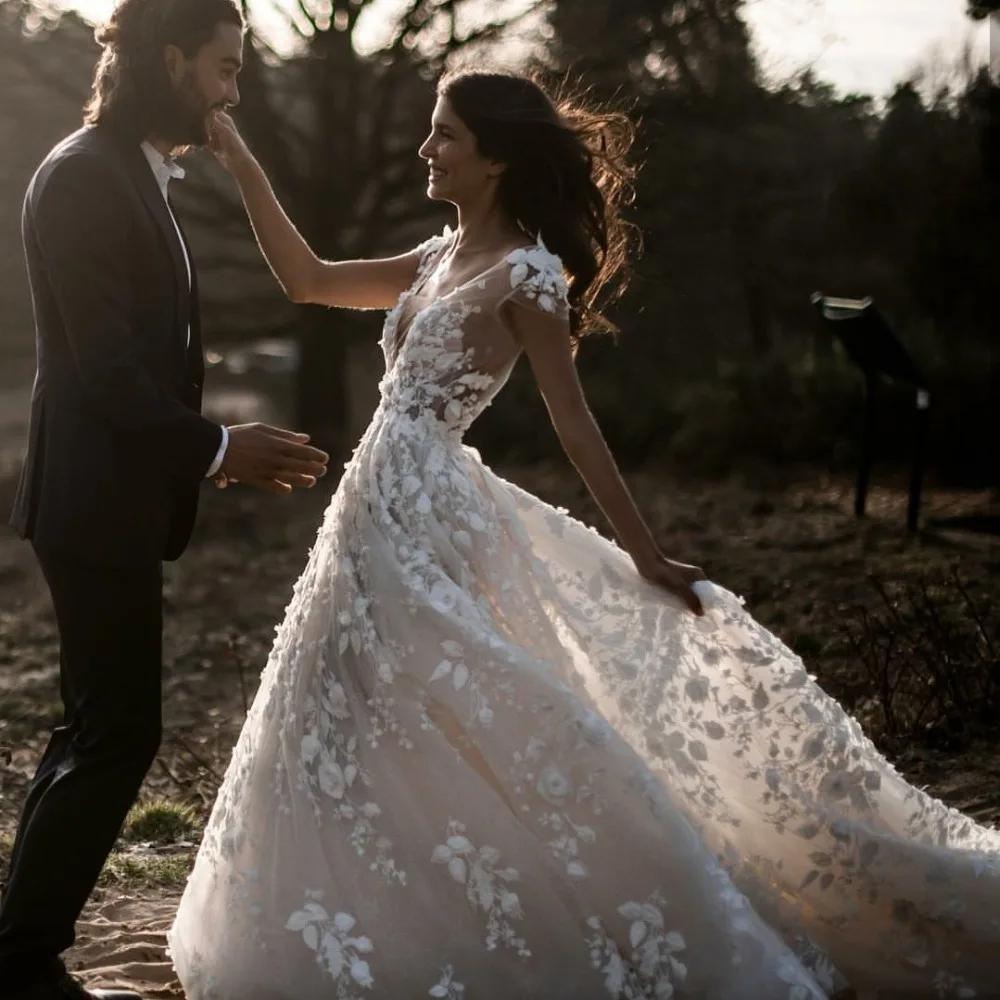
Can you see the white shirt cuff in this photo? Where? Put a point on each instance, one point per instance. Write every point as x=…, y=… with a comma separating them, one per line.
x=219, y=455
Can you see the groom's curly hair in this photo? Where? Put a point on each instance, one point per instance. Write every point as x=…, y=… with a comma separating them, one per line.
x=567, y=177
x=131, y=91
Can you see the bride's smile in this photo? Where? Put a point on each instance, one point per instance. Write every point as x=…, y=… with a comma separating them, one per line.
x=458, y=172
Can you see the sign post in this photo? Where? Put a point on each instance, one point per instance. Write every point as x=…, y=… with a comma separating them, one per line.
x=877, y=352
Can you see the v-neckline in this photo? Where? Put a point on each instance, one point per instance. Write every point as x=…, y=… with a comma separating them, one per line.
x=399, y=340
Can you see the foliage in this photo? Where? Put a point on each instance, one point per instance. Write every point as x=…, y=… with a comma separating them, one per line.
x=752, y=195
x=769, y=414
x=688, y=49
x=931, y=658
x=337, y=130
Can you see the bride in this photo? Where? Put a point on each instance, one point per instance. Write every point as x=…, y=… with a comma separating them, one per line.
x=494, y=755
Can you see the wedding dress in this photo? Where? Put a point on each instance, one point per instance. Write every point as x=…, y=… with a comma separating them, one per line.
x=488, y=761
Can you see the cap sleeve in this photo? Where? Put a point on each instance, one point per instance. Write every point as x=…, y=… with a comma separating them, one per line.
x=537, y=282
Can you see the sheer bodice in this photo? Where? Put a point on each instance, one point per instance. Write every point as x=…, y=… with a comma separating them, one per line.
x=488, y=761
x=447, y=360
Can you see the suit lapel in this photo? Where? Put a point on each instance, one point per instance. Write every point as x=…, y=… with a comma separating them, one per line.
x=145, y=181
x=195, y=356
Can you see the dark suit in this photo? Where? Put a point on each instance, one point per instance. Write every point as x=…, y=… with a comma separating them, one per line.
x=117, y=448
x=116, y=453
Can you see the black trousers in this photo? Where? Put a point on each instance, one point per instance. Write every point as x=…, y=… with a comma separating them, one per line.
x=110, y=628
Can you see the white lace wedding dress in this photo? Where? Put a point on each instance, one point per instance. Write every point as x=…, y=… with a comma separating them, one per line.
x=487, y=761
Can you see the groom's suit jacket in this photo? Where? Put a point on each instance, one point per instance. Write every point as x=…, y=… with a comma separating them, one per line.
x=117, y=448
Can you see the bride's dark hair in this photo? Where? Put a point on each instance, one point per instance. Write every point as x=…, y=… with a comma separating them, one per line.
x=566, y=178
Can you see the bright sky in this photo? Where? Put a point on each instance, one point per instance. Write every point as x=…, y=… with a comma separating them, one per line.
x=858, y=45
x=865, y=46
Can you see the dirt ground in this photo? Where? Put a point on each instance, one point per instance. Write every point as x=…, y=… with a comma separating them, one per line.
x=792, y=549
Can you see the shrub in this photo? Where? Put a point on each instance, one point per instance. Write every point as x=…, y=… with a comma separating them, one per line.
x=931, y=657
x=159, y=822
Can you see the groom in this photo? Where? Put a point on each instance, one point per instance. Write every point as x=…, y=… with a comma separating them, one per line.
x=117, y=450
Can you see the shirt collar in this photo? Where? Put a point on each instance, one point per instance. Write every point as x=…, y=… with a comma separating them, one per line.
x=163, y=169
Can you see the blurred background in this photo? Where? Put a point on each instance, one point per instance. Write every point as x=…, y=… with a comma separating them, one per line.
x=848, y=147
x=788, y=146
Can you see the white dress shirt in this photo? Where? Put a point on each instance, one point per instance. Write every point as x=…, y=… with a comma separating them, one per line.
x=164, y=170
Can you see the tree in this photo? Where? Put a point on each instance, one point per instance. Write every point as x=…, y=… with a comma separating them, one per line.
x=42, y=79
x=733, y=178
x=691, y=48
x=337, y=130
x=750, y=196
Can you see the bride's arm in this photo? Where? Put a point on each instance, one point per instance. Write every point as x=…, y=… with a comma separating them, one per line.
x=546, y=342
x=353, y=284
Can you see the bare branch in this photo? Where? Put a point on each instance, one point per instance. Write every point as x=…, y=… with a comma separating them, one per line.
x=262, y=45
x=410, y=23
x=490, y=31
x=353, y=13
x=288, y=18
x=307, y=14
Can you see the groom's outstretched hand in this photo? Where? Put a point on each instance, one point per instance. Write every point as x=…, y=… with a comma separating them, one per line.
x=271, y=459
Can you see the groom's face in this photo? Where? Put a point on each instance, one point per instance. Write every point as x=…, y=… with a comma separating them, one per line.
x=203, y=84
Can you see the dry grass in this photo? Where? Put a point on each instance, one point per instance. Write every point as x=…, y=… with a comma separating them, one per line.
x=132, y=872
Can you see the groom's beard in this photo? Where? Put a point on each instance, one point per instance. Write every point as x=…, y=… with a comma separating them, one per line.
x=187, y=123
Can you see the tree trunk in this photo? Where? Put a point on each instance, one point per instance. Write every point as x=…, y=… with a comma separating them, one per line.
x=321, y=402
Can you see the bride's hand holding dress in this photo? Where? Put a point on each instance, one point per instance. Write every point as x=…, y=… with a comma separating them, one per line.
x=542, y=335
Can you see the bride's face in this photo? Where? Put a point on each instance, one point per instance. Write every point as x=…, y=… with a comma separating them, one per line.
x=458, y=173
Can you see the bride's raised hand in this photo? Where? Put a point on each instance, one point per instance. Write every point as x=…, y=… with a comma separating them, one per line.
x=677, y=577
x=225, y=141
